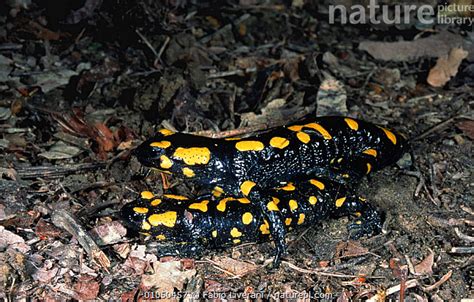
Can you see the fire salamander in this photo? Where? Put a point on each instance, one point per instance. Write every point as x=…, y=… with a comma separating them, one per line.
x=340, y=149
x=187, y=227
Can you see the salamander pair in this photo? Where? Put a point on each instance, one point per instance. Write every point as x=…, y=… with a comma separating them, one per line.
x=338, y=151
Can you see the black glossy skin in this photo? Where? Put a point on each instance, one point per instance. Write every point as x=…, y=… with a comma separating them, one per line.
x=228, y=167
x=339, y=149
x=210, y=226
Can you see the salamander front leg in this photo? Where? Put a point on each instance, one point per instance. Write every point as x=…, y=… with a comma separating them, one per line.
x=368, y=221
x=269, y=207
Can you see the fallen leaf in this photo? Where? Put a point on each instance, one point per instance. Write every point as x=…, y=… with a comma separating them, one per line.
x=434, y=46
x=46, y=273
x=236, y=267
x=446, y=67
x=12, y=240
x=109, y=233
x=350, y=249
x=331, y=98
x=61, y=150
x=467, y=127
x=166, y=277
x=425, y=267
x=86, y=288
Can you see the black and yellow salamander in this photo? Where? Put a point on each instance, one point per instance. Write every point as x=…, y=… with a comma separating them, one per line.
x=187, y=227
x=341, y=149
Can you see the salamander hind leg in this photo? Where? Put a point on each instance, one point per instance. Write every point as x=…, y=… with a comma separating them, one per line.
x=367, y=219
x=269, y=207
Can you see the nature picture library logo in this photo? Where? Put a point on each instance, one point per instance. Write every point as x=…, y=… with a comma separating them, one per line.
x=459, y=13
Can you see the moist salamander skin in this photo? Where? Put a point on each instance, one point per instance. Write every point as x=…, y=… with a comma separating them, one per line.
x=339, y=149
x=190, y=226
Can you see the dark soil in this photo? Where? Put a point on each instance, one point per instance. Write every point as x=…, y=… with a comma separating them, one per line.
x=84, y=82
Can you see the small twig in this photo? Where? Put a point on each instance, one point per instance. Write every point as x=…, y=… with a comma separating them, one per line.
x=439, y=282
x=462, y=250
x=394, y=289
x=321, y=273
x=56, y=171
x=163, y=47
x=145, y=40
x=216, y=266
x=435, y=128
x=65, y=221
x=462, y=236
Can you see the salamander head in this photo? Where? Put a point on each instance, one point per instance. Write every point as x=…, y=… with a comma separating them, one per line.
x=153, y=216
x=152, y=152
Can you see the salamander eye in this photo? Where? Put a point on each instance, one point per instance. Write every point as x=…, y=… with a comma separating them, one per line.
x=134, y=215
x=150, y=151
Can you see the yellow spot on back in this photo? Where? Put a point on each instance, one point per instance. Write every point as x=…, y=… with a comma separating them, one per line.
x=161, y=237
x=288, y=187
x=265, y=228
x=140, y=210
x=313, y=200
x=146, y=226
x=167, y=219
x=166, y=132
x=247, y=218
x=188, y=172
x=236, y=241
x=246, y=187
x=371, y=152
x=390, y=135
x=201, y=206
x=279, y=142
x=271, y=206
x=288, y=221
x=162, y=144
x=303, y=137
x=177, y=197
x=165, y=163
x=276, y=200
x=295, y=128
x=221, y=206
x=249, y=146
x=235, y=232
x=243, y=200
x=155, y=202
x=146, y=195
x=214, y=233
x=369, y=168
x=351, y=123
x=317, y=183
x=217, y=191
x=320, y=129
x=346, y=175
x=301, y=218
x=193, y=156
x=340, y=201
x=293, y=204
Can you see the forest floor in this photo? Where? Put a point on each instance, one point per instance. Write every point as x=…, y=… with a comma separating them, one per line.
x=84, y=82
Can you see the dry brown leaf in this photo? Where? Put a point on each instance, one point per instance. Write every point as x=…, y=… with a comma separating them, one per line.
x=467, y=127
x=434, y=46
x=166, y=277
x=86, y=288
x=235, y=267
x=446, y=67
x=425, y=267
x=109, y=233
x=350, y=249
